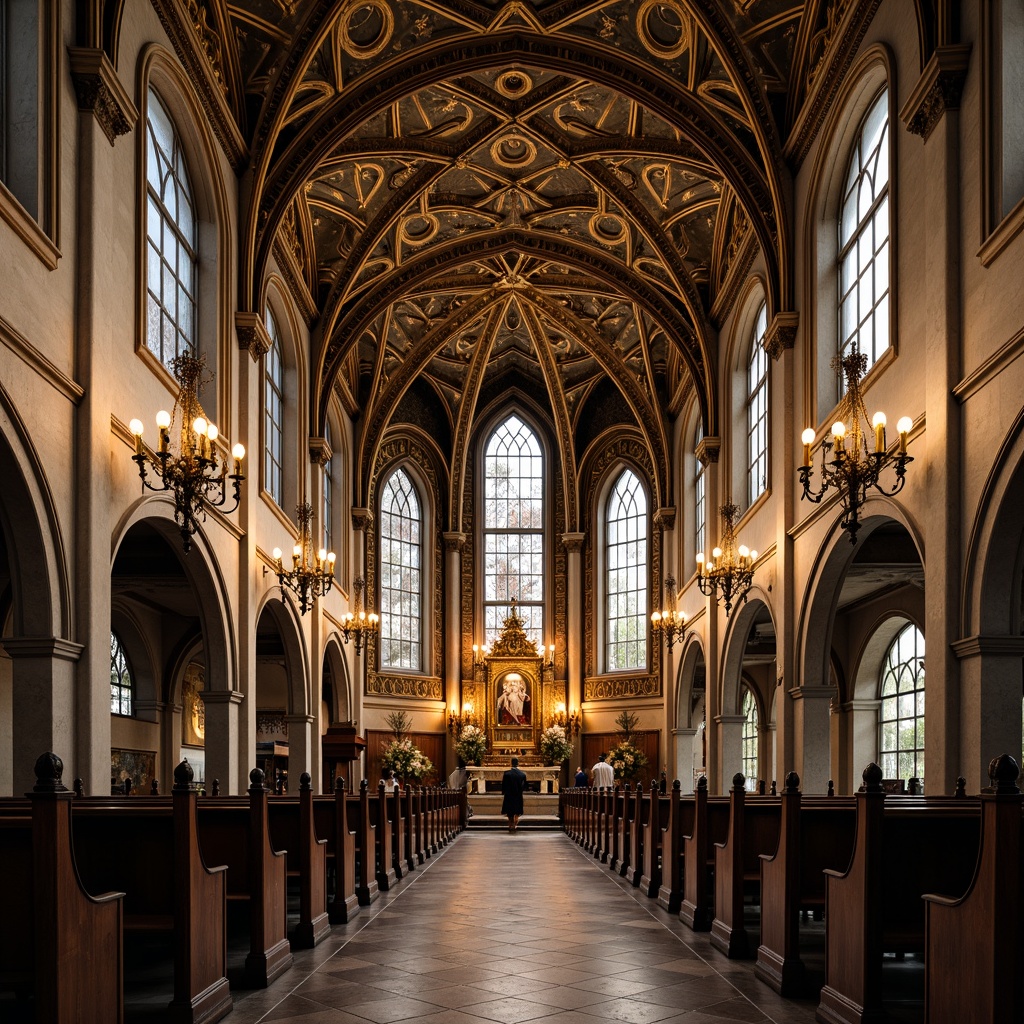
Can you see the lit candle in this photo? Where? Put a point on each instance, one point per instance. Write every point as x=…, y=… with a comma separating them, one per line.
x=878, y=422
x=136, y=428
x=163, y=423
x=839, y=434
x=903, y=426
x=238, y=453
x=808, y=439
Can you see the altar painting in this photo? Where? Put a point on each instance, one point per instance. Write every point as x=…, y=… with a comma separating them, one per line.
x=514, y=704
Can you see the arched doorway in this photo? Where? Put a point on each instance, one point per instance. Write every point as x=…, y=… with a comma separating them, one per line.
x=688, y=730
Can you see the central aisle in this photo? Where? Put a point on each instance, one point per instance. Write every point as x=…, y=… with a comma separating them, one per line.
x=510, y=928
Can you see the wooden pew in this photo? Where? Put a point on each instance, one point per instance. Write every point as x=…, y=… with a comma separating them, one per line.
x=411, y=853
x=167, y=886
x=710, y=825
x=624, y=822
x=679, y=819
x=815, y=834
x=292, y=829
x=753, y=830
x=57, y=942
x=605, y=817
x=615, y=810
x=975, y=944
x=333, y=817
x=641, y=815
x=381, y=852
x=393, y=804
x=367, y=889
x=904, y=849
x=238, y=833
x=650, y=876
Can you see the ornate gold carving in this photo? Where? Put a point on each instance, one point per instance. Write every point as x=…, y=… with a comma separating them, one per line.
x=781, y=333
x=573, y=541
x=657, y=22
x=453, y=541
x=614, y=687
x=514, y=84
x=362, y=519
x=938, y=89
x=512, y=640
x=209, y=41
x=707, y=450
x=252, y=334
x=821, y=41
x=422, y=687
x=99, y=90
x=365, y=28
x=665, y=518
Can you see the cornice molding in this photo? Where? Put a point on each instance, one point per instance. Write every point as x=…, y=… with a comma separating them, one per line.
x=54, y=647
x=937, y=90
x=453, y=540
x=573, y=542
x=292, y=274
x=100, y=92
x=977, y=646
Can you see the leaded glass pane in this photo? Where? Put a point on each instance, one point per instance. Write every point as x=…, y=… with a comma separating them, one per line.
x=401, y=586
x=327, y=514
x=750, y=736
x=273, y=410
x=626, y=575
x=757, y=411
x=698, y=494
x=120, y=679
x=901, y=716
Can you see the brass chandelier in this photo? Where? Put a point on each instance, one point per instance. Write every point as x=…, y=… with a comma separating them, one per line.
x=312, y=572
x=361, y=626
x=668, y=623
x=197, y=473
x=854, y=468
x=730, y=571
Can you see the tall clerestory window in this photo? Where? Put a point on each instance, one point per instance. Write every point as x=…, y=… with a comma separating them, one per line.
x=171, y=240
x=749, y=711
x=328, y=493
x=901, y=719
x=757, y=411
x=514, y=529
x=121, y=691
x=625, y=552
x=864, y=239
x=699, y=494
x=273, y=415
x=401, y=574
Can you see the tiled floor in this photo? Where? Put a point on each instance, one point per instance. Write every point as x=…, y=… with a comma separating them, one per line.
x=504, y=928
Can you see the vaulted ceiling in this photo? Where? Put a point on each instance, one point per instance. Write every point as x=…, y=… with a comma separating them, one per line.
x=543, y=195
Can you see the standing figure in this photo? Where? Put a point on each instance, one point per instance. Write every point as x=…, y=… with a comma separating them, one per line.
x=513, y=785
x=604, y=774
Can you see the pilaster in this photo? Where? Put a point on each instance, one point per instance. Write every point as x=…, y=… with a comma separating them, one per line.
x=573, y=543
x=225, y=758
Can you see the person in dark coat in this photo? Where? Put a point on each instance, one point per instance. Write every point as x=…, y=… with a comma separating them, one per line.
x=513, y=784
x=581, y=776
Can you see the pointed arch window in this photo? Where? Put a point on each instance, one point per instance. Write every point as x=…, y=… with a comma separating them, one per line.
x=171, y=240
x=514, y=528
x=273, y=415
x=757, y=411
x=901, y=718
x=328, y=493
x=121, y=688
x=699, y=497
x=864, y=239
x=750, y=739
x=625, y=552
x=401, y=572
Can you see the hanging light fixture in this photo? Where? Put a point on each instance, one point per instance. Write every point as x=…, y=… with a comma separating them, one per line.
x=196, y=473
x=730, y=571
x=312, y=572
x=853, y=468
x=361, y=626
x=669, y=622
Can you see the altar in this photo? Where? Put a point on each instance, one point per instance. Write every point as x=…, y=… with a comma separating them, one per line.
x=477, y=776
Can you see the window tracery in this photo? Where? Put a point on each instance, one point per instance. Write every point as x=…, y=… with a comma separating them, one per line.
x=626, y=573
x=401, y=561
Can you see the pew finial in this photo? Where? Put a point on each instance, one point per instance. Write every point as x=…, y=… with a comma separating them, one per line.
x=677, y=786
x=1003, y=772
x=339, y=784
x=183, y=777
x=49, y=774
x=702, y=783
x=79, y=787
x=257, y=780
x=872, y=776
x=305, y=781
x=739, y=781
x=961, y=788
x=831, y=788
x=792, y=782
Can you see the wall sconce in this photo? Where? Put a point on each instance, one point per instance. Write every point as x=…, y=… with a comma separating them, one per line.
x=457, y=722
x=362, y=626
x=480, y=656
x=312, y=572
x=669, y=621
x=574, y=723
x=559, y=717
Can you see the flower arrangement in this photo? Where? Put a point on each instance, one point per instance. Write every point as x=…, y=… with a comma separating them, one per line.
x=627, y=760
x=471, y=744
x=554, y=745
x=406, y=760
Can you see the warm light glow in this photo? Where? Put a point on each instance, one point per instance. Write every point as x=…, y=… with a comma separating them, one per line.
x=199, y=425
x=136, y=427
x=808, y=436
x=560, y=708
x=878, y=420
x=655, y=617
x=331, y=557
x=700, y=557
x=716, y=553
x=743, y=550
x=904, y=424
x=322, y=554
x=238, y=452
x=277, y=554
x=753, y=556
x=297, y=550
x=839, y=429
x=163, y=419
x=212, y=432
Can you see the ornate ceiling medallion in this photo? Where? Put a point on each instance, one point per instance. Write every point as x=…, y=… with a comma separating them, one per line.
x=607, y=228
x=663, y=28
x=513, y=152
x=365, y=28
x=514, y=84
x=419, y=228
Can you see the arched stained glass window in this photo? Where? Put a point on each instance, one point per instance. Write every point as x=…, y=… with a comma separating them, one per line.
x=328, y=493
x=625, y=552
x=750, y=737
x=120, y=679
x=401, y=574
x=864, y=239
x=273, y=412
x=757, y=411
x=901, y=719
x=171, y=240
x=514, y=528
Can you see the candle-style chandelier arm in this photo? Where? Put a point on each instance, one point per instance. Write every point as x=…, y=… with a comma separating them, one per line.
x=360, y=627
x=668, y=623
x=312, y=573
x=729, y=574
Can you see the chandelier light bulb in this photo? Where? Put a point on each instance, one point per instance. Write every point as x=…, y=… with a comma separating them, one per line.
x=753, y=556
x=331, y=558
x=277, y=554
x=212, y=432
x=163, y=419
x=322, y=554
x=238, y=453
x=655, y=617
x=878, y=420
x=743, y=550
x=839, y=430
x=136, y=427
x=700, y=557
x=716, y=553
x=297, y=550
x=808, y=436
x=199, y=425
x=904, y=424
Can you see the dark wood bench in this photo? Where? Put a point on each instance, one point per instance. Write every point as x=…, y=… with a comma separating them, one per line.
x=167, y=886
x=384, y=870
x=657, y=814
x=367, y=889
x=337, y=818
x=815, y=834
x=753, y=830
x=905, y=847
x=710, y=825
x=293, y=829
x=637, y=825
x=237, y=832
x=975, y=943
x=57, y=942
x=679, y=821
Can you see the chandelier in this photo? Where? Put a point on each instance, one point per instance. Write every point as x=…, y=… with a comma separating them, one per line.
x=312, y=572
x=669, y=622
x=854, y=469
x=360, y=627
x=730, y=572
x=197, y=473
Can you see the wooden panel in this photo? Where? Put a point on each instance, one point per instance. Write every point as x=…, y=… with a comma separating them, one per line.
x=431, y=743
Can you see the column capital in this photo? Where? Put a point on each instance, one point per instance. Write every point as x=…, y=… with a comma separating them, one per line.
x=684, y=732
x=320, y=451
x=730, y=719
x=937, y=90
x=453, y=540
x=100, y=91
x=573, y=542
x=42, y=647
x=361, y=519
x=781, y=333
x=665, y=517
x=707, y=450
x=977, y=646
x=252, y=334
x=299, y=719
x=812, y=692
x=222, y=697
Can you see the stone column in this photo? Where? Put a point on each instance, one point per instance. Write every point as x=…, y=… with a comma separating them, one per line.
x=300, y=748
x=43, y=693
x=933, y=112
x=573, y=543
x=225, y=760
x=682, y=769
x=665, y=520
x=362, y=522
x=810, y=705
x=730, y=743
x=708, y=451
x=454, y=542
